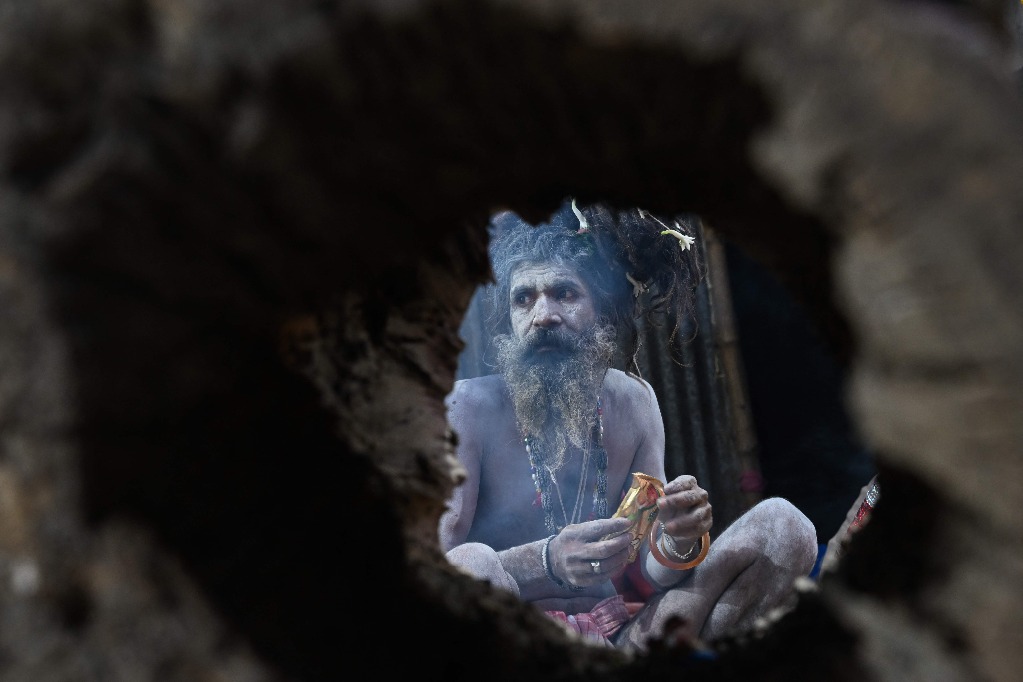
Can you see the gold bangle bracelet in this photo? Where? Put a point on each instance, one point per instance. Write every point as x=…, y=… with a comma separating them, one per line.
x=674, y=565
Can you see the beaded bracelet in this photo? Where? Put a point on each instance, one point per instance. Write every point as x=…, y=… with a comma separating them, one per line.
x=545, y=559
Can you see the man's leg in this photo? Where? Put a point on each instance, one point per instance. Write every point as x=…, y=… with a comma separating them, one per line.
x=748, y=572
x=482, y=562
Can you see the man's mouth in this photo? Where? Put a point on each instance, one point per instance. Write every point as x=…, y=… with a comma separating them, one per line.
x=548, y=350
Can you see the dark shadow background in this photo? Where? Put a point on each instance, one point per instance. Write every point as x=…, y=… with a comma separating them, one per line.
x=809, y=450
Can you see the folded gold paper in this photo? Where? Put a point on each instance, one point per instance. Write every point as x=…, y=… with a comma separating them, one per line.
x=640, y=506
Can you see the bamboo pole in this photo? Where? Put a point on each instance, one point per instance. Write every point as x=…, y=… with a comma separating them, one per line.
x=733, y=375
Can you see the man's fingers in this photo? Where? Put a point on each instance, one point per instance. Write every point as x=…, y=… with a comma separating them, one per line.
x=691, y=523
x=680, y=484
x=607, y=548
x=682, y=501
x=585, y=545
x=600, y=528
x=609, y=557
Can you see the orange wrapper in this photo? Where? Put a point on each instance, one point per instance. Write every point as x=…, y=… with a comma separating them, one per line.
x=640, y=506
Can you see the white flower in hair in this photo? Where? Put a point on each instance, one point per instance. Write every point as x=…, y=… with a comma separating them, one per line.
x=584, y=226
x=684, y=240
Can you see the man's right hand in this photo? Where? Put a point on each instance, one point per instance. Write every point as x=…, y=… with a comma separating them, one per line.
x=579, y=556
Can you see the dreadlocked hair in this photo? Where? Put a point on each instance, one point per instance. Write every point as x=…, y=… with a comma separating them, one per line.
x=637, y=274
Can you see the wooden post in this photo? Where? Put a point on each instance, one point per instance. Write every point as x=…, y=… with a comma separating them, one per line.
x=732, y=371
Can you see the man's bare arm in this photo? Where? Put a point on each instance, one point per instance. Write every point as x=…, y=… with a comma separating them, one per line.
x=471, y=407
x=462, y=405
x=646, y=415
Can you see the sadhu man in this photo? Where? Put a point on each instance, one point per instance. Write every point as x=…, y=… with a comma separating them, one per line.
x=550, y=444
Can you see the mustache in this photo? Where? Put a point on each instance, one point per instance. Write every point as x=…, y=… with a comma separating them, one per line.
x=556, y=339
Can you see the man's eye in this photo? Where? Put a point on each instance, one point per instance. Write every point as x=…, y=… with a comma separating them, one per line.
x=567, y=294
x=520, y=299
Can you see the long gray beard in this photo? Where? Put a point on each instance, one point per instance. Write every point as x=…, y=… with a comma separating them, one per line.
x=555, y=393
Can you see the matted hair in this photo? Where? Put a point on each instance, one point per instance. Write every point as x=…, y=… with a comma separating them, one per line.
x=633, y=269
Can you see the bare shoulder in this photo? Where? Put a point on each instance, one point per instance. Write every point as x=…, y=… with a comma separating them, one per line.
x=478, y=393
x=476, y=404
x=628, y=388
x=633, y=399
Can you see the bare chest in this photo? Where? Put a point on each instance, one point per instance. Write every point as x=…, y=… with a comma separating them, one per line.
x=515, y=502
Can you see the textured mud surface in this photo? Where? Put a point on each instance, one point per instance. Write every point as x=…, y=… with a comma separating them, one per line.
x=237, y=240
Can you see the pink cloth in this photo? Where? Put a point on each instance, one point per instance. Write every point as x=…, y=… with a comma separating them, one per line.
x=600, y=623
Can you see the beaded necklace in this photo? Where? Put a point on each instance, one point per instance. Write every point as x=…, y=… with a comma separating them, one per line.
x=544, y=479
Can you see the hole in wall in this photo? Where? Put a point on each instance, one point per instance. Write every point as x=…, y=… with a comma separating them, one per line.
x=225, y=355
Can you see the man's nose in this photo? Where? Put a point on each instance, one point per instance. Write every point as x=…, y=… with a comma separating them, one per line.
x=547, y=314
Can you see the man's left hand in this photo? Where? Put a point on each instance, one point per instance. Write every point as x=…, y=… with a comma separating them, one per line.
x=685, y=511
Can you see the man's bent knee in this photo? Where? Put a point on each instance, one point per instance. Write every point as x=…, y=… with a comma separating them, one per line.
x=482, y=562
x=788, y=532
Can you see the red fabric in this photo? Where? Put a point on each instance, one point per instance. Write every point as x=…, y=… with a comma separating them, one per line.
x=751, y=481
x=600, y=623
x=631, y=584
x=863, y=513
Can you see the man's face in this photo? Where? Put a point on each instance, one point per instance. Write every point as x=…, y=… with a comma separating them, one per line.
x=556, y=357
x=549, y=302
